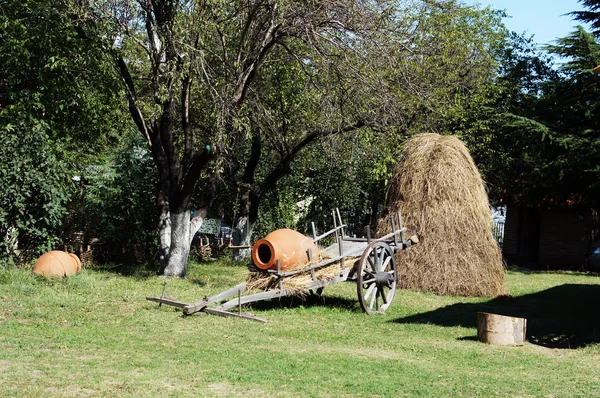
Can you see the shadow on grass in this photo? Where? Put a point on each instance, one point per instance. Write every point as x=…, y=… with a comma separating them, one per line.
x=197, y=280
x=565, y=316
x=536, y=271
x=130, y=270
x=141, y=271
x=307, y=300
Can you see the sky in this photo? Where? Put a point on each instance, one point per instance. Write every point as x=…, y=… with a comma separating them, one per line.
x=544, y=19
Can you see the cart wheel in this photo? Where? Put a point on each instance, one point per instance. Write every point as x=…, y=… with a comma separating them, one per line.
x=376, y=278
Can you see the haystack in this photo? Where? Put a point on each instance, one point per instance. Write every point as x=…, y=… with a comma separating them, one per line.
x=443, y=200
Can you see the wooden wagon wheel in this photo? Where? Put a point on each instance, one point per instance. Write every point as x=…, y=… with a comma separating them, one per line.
x=376, y=278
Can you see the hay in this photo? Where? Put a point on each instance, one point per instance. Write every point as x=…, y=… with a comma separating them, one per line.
x=442, y=198
x=298, y=283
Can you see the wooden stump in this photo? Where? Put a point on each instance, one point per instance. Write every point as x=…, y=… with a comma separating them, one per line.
x=500, y=330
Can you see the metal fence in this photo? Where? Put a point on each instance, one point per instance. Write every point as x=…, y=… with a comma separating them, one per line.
x=498, y=232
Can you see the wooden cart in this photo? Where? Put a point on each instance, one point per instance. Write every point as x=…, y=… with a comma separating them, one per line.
x=374, y=274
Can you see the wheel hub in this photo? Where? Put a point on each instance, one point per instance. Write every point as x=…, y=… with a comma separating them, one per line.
x=383, y=279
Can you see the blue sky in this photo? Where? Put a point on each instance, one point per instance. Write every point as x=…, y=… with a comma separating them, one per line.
x=542, y=18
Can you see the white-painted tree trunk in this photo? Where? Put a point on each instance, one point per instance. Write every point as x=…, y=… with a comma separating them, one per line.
x=176, y=235
x=242, y=236
x=180, y=244
x=196, y=223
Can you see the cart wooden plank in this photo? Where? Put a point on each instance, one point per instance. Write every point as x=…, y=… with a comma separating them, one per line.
x=220, y=312
x=168, y=301
x=271, y=294
x=195, y=307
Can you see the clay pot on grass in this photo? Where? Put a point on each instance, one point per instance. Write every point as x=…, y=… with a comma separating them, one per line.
x=57, y=264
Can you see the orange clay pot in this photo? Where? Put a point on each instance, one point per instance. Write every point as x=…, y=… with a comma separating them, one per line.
x=77, y=262
x=289, y=246
x=57, y=263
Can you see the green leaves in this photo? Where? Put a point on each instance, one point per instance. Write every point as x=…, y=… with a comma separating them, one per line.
x=581, y=50
x=537, y=141
x=115, y=205
x=55, y=75
x=36, y=185
x=60, y=107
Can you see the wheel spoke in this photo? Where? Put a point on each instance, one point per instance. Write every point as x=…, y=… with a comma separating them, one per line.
x=368, y=274
x=377, y=260
x=383, y=297
x=370, y=290
x=386, y=262
x=371, y=262
x=368, y=284
x=372, y=300
x=380, y=255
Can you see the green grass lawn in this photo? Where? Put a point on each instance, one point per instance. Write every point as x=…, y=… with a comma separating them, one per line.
x=95, y=335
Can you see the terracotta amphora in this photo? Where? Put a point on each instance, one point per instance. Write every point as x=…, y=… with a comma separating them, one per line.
x=57, y=263
x=287, y=245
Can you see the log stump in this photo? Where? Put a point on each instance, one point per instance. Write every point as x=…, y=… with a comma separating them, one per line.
x=501, y=330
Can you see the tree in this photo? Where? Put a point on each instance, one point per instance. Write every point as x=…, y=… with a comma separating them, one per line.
x=570, y=104
x=538, y=144
x=188, y=67
x=114, y=203
x=35, y=185
x=571, y=109
x=493, y=128
x=421, y=65
x=58, y=108
x=250, y=83
x=591, y=15
x=49, y=73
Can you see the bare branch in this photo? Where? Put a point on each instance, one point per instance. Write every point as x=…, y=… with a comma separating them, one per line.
x=284, y=167
x=251, y=63
x=134, y=109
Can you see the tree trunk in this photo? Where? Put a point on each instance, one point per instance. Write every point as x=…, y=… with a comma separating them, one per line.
x=242, y=231
x=180, y=244
x=173, y=261
x=164, y=229
x=242, y=236
x=197, y=222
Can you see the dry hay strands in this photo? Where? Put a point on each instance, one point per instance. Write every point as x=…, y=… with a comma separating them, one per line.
x=298, y=283
x=442, y=198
